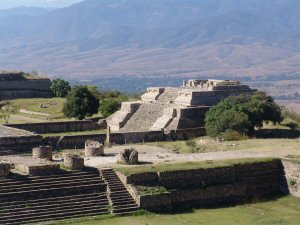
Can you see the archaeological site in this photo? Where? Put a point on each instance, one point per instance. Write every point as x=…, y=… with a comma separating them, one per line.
x=73, y=173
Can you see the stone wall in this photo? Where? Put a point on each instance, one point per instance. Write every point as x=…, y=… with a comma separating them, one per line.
x=210, y=186
x=18, y=87
x=291, y=177
x=78, y=141
x=58, y=127
x=10, y=145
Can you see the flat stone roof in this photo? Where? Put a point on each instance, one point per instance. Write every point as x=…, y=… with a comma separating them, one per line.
x=13, y=132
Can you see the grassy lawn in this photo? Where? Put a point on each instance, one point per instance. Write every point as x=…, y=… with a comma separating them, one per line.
x=53, y=106
x=75, y=133
x=52, y=110
x=207, y=144
x=282, y=211
x=187, y=165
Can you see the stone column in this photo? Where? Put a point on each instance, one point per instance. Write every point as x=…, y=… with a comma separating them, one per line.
x=42, y=152
x=73, y=162
x=5, y=168
x=128, y=157
x=93, y=148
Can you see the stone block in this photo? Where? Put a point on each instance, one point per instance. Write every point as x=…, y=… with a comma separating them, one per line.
x=73, y=162
x=128, y=156
x=42, y=152
x=5, y=168
x=93, y=148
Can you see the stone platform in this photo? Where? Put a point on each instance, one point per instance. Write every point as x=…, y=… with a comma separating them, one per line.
x=30, y=166
x=15, y=140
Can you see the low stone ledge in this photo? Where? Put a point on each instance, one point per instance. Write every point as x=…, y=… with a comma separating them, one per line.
x=142, y=178
x=157, y=202
x=39, y=170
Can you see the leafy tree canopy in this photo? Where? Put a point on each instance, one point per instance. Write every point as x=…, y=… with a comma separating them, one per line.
x=60, y=87
x=242, y=114
x=80, y=103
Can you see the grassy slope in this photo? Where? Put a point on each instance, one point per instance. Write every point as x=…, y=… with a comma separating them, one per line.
x=187, y=165
x=283, y=211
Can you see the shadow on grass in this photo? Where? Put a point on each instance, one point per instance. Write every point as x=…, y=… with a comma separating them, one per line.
x=277, y=133
x=196, y=205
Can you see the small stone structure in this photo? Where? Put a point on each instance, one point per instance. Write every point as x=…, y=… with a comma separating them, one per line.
x=73, y=162
x=93, y=148
x=5, y=168
x=42, y=152
x=128, y=156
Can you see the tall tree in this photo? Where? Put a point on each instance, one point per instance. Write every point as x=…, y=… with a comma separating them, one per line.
x=80, y=103
x=60, y=87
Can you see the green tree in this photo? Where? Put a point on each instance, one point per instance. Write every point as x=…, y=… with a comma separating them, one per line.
x=60, y=87
x=109, y=106
x=80, y=103
x=242, y=114
x=7, y=111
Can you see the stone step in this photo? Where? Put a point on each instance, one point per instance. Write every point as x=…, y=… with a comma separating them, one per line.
x=77, y=197
x=53, y=191
x=23, y=188
x=50, y=204
x=48, y=180
x=127, y=200
x=52, y=216
x=53, y=207
x=121, y=198
x=47, y=177
x=118, y=205
x=125, y=210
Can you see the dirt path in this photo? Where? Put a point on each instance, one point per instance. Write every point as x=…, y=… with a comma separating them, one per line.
x=159, y=155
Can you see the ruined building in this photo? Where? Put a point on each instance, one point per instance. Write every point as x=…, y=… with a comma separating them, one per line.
x=19, y=85
x=168, y=108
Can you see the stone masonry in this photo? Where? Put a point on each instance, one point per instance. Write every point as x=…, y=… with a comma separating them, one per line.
x=93, y=148
x=167, y=108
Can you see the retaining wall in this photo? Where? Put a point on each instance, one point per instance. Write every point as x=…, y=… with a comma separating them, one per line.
x=58, y=127
x=211, y=186
x=78, y=141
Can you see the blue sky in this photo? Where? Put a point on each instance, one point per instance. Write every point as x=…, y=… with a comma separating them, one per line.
x=4, y=4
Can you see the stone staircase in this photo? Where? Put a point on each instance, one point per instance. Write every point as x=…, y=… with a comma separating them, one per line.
x=144, y=117
x=168, y=95
x=28, y=199
x=120, y=199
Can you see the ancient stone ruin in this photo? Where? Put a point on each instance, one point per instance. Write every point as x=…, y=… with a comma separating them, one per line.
x=19, y=85
x=128, y=156
x=168, y=108
x=93, y=148
x=5, y=168
x=42, y=152
x=73, y=162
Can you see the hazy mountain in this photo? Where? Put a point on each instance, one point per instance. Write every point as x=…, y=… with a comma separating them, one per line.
x=23, y=11
x=113, y=37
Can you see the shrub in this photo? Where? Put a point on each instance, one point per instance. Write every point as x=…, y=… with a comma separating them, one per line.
x=232, y=135
x=242, y=114
x=80, y=103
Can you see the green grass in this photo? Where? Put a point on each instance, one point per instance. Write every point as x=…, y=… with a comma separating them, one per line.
x=207, y=144
x=127, y=170
x=75, y=133
x=54, y=105
x=151, y=190
x=282, y=211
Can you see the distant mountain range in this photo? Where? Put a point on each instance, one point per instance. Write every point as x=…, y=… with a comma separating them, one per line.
x=159, y=37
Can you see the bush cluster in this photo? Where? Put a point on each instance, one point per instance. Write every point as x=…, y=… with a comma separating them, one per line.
x=236, y=117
